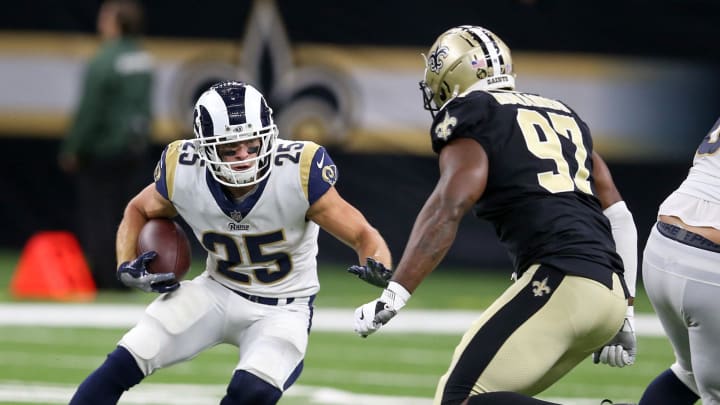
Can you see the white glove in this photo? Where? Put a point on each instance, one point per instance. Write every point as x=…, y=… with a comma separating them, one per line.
x=371, y=316
x=621, y=350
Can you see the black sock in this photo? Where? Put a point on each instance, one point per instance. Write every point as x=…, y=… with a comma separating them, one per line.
x=668, y=389
x=106, y=384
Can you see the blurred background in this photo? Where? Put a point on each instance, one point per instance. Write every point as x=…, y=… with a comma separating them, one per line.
x=644, y=75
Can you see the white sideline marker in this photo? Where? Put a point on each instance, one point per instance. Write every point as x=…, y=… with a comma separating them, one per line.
x=325, y=319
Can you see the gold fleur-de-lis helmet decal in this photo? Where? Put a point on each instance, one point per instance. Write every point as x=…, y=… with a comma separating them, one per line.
x=435, y=59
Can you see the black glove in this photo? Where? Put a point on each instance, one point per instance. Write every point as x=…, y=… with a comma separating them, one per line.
x=134, y=274
x=373, y=273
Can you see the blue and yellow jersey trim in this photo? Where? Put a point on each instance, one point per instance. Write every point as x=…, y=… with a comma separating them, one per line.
x=317, y=171
x=165, y=169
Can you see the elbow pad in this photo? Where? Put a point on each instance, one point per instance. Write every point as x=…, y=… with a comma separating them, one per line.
x=625, y=235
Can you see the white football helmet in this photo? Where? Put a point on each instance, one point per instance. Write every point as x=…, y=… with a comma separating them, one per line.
x=231, y=112
x=461, y=58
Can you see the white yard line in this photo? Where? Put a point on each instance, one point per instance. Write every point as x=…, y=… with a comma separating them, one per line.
x=325, y=319
x=189, y=394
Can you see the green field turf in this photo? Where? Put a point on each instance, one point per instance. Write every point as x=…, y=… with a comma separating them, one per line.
x=42, y=358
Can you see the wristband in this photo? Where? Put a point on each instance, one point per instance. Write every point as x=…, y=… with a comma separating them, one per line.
x=395, y=295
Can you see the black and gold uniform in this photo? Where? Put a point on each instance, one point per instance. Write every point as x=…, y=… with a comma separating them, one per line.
x=539, y=195
x=526, y=164
x=540, y=199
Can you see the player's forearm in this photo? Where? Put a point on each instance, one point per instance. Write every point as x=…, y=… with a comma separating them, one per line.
x=147, y=204
x=371, y=244
x=430, y=240
x=127, y=234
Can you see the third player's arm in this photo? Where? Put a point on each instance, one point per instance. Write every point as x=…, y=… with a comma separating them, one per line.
x=463, y=177
x=605, y=188
x=346, y=223
x=623, y=226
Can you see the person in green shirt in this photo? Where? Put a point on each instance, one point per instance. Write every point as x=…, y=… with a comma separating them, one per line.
x=107, y=144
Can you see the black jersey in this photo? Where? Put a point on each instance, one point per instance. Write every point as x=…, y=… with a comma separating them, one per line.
x=540, y=192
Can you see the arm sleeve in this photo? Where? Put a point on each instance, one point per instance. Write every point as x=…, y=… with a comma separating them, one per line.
x=625, y=234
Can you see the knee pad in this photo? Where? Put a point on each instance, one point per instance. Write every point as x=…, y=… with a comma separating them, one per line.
x=144, y=342
x=248, y=389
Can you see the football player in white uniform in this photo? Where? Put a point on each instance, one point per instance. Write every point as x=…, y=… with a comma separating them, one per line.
x=526, y=164
x=255, y=203
x=681, y=272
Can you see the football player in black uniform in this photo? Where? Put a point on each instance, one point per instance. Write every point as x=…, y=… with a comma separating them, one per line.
x=526, y=164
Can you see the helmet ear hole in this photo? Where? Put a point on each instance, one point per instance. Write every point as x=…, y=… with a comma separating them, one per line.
x=442, y=95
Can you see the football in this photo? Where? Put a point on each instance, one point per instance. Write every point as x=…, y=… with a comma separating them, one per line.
x=168, y=239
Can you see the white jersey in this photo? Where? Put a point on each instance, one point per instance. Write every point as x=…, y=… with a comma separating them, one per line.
x=681, y=275
x=697, y=200
x=262, y=245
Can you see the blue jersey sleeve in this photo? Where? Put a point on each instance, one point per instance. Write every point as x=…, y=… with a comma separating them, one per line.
x=323, y=175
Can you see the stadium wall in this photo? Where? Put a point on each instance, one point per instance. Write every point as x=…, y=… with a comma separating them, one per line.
x=646, y=87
